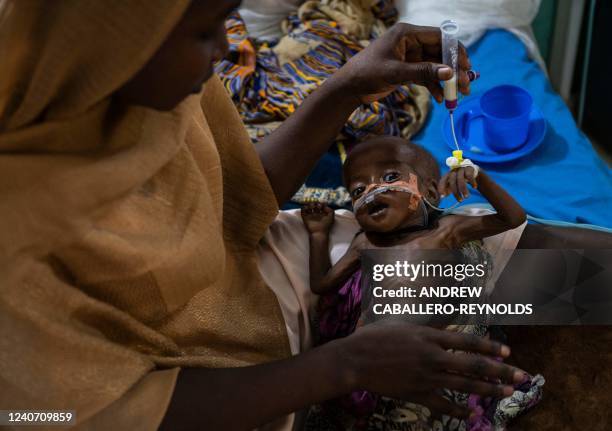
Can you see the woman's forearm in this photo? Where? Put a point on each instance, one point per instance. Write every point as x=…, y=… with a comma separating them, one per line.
x=395, y=360
x=247, y=397
x=291, y=151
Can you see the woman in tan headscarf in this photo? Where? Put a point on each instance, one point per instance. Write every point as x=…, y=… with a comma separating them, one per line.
x=131, y=203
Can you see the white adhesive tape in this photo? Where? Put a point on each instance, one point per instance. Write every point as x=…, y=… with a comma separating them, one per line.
x=453, y=163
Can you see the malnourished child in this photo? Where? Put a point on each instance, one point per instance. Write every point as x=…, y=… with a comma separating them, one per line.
x=395, y=186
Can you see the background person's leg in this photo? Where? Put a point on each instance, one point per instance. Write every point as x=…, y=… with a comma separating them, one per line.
x=542, y=236
x=576, y=361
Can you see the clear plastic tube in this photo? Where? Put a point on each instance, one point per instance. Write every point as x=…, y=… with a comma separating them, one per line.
x=450, y=57
x=369, y=197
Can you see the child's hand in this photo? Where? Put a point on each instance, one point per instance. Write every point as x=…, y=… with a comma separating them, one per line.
x=317, y=217
x=456, y=182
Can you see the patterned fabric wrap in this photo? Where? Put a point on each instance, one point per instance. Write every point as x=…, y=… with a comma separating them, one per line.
x=338, y=197
x=338, y=316
x=494, y=414
x=268, y=80
x=339, y=311
x=265, y=90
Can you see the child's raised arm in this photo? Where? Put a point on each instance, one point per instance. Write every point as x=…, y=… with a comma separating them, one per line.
x=509, y=213
x=318, y=220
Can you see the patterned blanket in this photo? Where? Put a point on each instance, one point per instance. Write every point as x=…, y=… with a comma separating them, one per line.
x=268, y=80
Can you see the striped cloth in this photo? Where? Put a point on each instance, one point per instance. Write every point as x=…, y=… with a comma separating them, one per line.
x=269, y=80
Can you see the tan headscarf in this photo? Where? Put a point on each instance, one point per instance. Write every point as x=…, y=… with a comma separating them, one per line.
x=127, y=235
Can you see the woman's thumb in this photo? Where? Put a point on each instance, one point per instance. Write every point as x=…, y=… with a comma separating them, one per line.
x=424, y=72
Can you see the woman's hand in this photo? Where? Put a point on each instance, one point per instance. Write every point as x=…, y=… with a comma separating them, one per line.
x=397, y=360
x=404, y=54
x=413, y=363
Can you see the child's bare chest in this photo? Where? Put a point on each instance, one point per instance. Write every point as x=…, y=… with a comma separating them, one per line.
x=438, y=238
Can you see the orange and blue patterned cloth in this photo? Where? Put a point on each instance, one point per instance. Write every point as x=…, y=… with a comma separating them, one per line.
x=269, y=80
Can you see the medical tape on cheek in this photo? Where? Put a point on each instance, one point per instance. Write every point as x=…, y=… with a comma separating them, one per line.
x=375, y=189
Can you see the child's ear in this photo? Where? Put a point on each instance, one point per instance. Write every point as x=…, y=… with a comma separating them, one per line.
x=432, y=191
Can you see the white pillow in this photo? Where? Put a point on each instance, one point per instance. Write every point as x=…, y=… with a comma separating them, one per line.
x=263, y=18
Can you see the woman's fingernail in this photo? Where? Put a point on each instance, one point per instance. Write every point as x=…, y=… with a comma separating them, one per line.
x=519, y=376
x=508, y=390
x=473, y=75
x=505, y=351
x=444, y=73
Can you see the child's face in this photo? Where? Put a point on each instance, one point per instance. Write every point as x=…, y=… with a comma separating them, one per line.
x=185, y=60
x=381, y=165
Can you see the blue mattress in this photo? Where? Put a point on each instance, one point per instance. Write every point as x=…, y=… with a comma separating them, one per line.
x=563, y=179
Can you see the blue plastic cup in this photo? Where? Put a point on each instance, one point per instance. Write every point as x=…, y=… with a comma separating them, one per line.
x=505, y=110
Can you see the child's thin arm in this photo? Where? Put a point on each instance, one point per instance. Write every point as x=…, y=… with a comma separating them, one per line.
x=319, y=262
x=323, y=276
x=509, y=213
x=318, y=220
